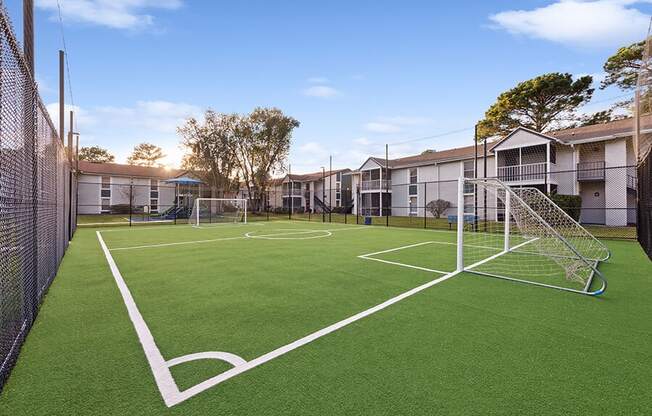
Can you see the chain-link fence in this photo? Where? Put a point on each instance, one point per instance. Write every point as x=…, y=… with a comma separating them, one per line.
x=37, y=191
x=645, y=204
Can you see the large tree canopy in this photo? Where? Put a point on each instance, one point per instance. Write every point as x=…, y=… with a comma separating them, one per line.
x=95, y=154
x=263, y=147
x=145, y=154
x=229, y=147
x=622, y=67
x=210, y=154
x=541, y=103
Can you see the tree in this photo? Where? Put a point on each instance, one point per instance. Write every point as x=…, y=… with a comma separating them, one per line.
x=145, y=154
x=96, y=154
x=541, y=103
x=438, y=207
x=262, y=147
x=622, y=67
x=211, y=157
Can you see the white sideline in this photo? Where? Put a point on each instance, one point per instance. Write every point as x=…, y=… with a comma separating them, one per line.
x=243, y=237
x=161, y=369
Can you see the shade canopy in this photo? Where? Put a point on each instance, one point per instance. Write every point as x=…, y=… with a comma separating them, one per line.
x=184, y=180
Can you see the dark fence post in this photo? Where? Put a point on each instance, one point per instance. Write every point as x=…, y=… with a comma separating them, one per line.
x=425, y=203
x=131, y=201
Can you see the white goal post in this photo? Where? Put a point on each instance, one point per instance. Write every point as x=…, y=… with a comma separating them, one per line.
x=519, y=234
x=218, y=211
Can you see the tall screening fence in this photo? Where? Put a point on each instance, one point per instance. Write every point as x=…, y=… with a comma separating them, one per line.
x=37, y=191
x=602, y=198
x=645, y=203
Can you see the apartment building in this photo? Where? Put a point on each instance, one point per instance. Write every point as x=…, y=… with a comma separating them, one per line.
x=595, y=162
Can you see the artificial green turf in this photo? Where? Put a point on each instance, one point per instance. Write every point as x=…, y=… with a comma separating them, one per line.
x=470, y=345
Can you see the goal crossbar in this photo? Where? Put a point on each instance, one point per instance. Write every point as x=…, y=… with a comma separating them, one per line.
x=218, y=210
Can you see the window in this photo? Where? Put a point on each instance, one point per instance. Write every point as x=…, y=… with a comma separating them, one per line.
x=413, y=176
x=105, y=194
x=553, y=153
x=153, y=196
x=469, y=172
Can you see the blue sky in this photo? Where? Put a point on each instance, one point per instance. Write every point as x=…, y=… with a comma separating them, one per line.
x=356, y=74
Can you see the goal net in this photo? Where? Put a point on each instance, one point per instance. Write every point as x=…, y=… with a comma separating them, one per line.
x=519, y=234
x=218, y=211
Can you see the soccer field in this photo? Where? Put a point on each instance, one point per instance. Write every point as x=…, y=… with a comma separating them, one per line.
x=294, y=317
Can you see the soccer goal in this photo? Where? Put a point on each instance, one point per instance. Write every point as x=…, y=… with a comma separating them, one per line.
x=218, y=211
x=519, y=234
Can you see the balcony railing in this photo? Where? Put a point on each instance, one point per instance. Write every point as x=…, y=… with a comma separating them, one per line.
x=632, y=182
x=295, y=192
x=376, y=185
x=590, y=171
x=518, y=173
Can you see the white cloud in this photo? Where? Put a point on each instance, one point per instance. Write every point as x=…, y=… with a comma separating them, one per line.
x=395, y=124
x=321, y=91
x=117, y=14
x=318, y=80
x=376, y=127
x=601, y=23
x=119, y=129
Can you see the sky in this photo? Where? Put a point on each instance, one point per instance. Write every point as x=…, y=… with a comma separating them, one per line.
x=356, y=74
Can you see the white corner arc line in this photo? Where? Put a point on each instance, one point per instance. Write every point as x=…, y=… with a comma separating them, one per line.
x=232, y=359
x=192, y=391
x=161, y=369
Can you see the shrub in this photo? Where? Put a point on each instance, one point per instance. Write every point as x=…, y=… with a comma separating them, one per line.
x=438, y=207
x=571, y=204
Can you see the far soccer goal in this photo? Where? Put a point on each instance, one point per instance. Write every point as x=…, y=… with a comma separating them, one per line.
x=218, y=211
x=519, y=234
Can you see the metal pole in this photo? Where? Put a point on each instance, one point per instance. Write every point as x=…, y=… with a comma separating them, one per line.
x=70, y=181
x=323, y=194
x=386, y=183
x=290, y=190
x=475, y=176
x=77, y=181
x=330, y=188
x=131, y=190
x=28, y=34
x=61, y=97
x=460, y=224
x=425, y=219
x=176, y=201
x=485, y=191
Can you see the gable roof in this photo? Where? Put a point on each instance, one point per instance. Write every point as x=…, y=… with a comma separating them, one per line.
x=428, y=157
x=604, y=131
x=525, y=129
x=132, y=171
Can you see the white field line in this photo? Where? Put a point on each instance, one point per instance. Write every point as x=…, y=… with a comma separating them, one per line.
x=425, y=269
x=247, y=235
x=395, y=249
x=161, y=369
x=167, y=227
x=166, y=384
x=178, y=243
x=192, y=391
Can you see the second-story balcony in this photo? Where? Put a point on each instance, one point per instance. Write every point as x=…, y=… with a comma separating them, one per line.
x=590, y=171
x=523, y=173
x=376, y=185
x=294, y=192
